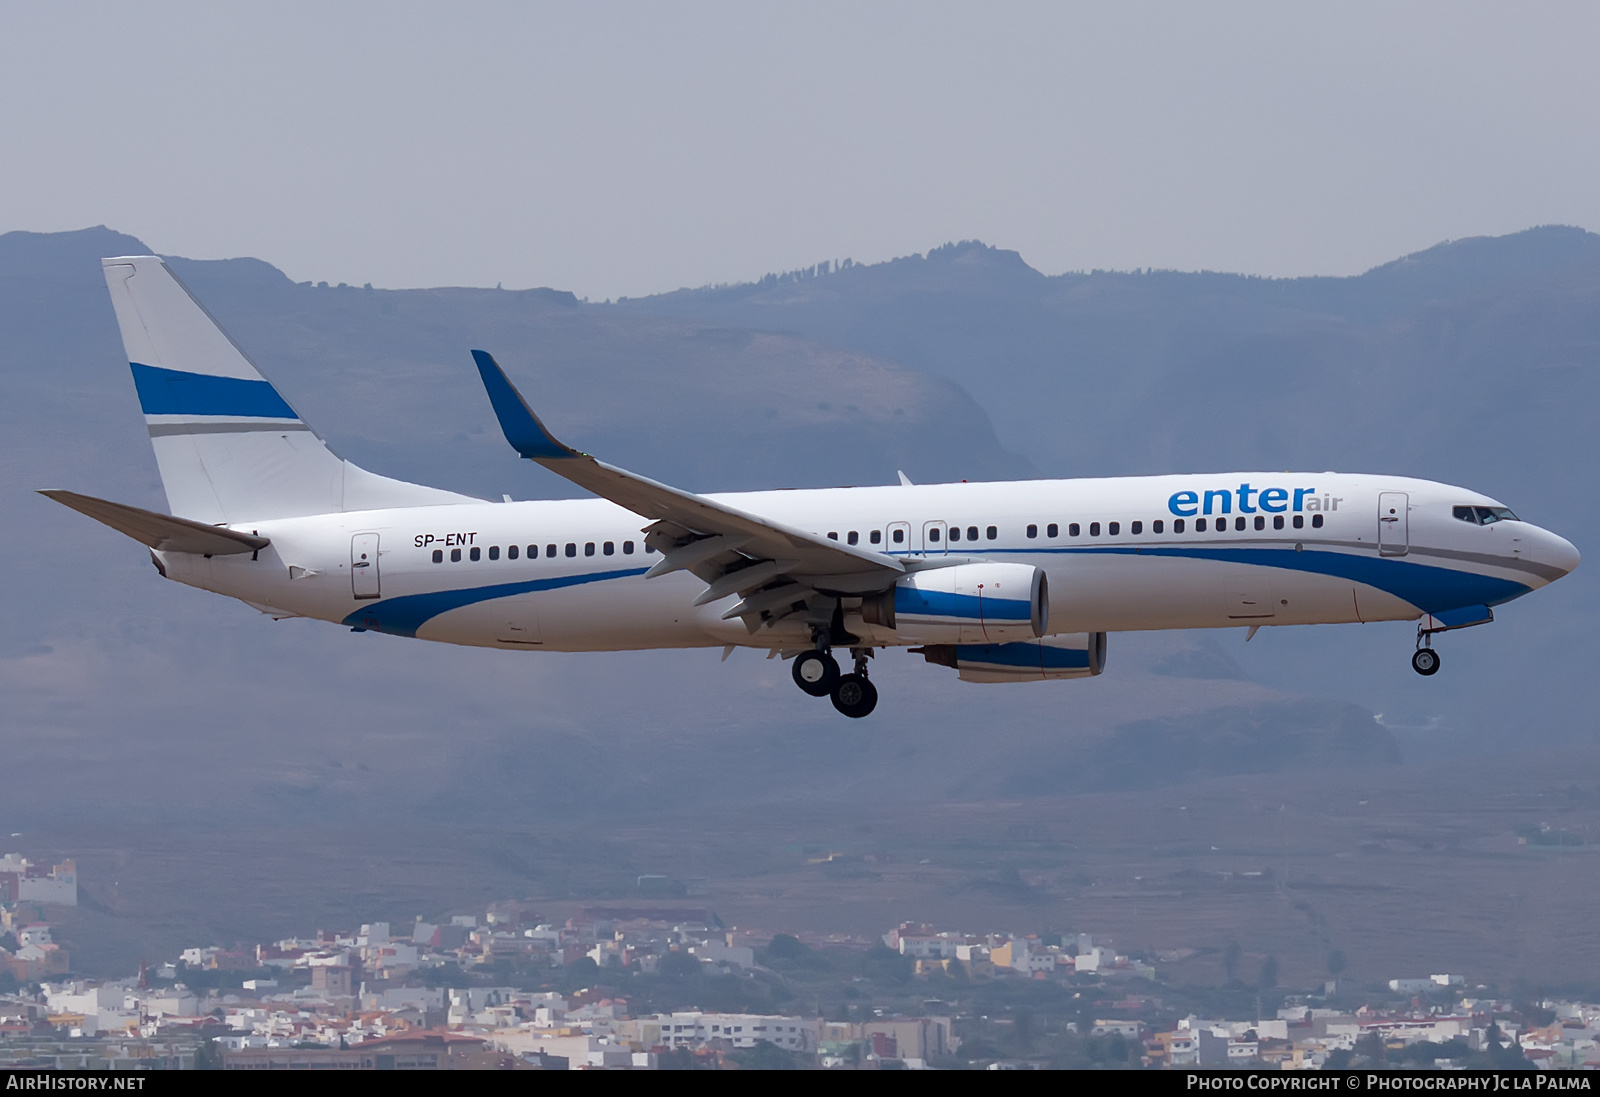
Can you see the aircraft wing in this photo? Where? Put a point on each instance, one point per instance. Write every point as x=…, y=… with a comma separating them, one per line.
x=731, y=550
x=160, y=531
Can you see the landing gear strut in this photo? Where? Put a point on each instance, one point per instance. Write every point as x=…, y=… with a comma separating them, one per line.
x=855, y=696
x=1425, y=660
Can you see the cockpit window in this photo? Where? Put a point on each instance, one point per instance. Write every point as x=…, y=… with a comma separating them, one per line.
x=1484, y=516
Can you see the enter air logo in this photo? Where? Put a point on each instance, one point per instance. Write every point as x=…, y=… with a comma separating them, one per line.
x=1250, y=500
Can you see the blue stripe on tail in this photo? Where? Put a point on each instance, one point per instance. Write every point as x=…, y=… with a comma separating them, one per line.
x=174, y=392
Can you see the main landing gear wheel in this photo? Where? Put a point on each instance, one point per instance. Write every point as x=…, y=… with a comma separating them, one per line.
x=855, y=696
x=1425, y=661
x=816, y=673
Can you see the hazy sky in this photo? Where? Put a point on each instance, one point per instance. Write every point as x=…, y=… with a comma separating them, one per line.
x=631, y=148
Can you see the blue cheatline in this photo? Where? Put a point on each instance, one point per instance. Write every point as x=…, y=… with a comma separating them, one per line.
x=404, y=615
x=964, y=607
x=174, y=392
x=1026, y=653
x=517, y=421
x=1431, y=589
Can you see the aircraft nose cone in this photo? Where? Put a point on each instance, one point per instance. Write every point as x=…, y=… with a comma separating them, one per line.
x=1558, y=552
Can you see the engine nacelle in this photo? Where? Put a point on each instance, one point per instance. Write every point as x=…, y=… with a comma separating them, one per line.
x=971, y=603
x=1074, y=655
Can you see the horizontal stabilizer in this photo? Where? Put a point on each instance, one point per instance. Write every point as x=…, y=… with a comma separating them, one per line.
x=160, y=531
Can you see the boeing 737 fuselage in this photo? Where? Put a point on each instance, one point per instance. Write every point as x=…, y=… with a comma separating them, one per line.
x=1004, y=582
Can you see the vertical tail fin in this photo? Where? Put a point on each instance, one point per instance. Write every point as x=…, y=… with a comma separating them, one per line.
x=229, y=447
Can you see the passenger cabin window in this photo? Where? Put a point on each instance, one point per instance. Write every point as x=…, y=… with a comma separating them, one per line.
x=1299, y=521
x=1158, y=526
x=494, y=552
x=899, y=536
x=991, y=533
x=1238, y=524
x=1033, y=531
x=1114, y=528
x=549, y=550
x=833, y=535
x=588, y=548
x=438, y=556
x=455, y=556
x=1316, y=521
x=875, y=536
x=511, y=552
x=1199, y=525
x=1177, y=525
x=609, y=548
x=955, y=533
x=649, y=549
x=1136, y=527
x=1094, y=529
x=972, y=533
x=852, y=538
x=572, y=549
x=627, y=548
x=1052, y=530
x=1277, y=521
x=1261, y=523
x=933, y=533
x=1072, y=530
x=477, y=553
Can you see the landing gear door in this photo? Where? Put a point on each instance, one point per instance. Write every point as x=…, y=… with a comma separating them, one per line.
x=364, y=565
x=1394, y=538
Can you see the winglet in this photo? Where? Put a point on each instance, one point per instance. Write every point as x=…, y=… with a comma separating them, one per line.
x=521, y=426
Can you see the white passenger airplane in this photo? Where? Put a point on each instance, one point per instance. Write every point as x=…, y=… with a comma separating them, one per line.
x=1004, y=582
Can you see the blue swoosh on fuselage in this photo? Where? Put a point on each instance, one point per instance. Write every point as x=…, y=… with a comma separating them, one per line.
x=1431, y=589
x=404, y=615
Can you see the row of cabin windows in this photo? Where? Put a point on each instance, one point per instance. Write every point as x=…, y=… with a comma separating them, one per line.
x=1179, y=525
x=608, y=548
x=898, y=536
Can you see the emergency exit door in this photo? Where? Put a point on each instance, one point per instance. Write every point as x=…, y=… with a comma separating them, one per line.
x=364, y=565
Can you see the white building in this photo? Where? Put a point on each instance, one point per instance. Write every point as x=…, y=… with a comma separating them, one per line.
x=24, y=881
x=691, y=1029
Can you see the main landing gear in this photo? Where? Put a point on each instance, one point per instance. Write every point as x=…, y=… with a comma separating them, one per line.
x=816, y=672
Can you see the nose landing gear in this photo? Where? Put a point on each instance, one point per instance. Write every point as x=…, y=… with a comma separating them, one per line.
x=1425, y=661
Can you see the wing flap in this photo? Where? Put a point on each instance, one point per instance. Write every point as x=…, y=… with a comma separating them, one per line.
x=160, y=531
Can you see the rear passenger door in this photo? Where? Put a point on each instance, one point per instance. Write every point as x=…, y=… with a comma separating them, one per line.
x=364, y=581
